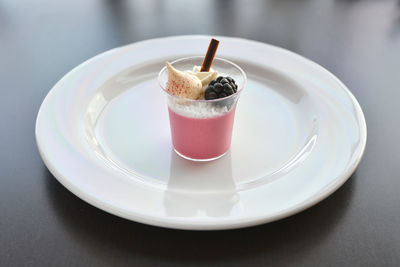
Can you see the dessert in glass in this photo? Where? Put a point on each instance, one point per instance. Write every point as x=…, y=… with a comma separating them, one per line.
x=202, y=103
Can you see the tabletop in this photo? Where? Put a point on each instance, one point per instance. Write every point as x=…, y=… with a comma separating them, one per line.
x=43, y=224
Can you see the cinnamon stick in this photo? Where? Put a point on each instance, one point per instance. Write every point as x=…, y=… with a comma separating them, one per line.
x=209, y=58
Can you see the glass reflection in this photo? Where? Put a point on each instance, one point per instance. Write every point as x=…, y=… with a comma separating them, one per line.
x=196, y=189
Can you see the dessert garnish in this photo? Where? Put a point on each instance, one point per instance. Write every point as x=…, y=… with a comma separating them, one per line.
x=209, y=58
x=183, y=84
x=220, y=87
x=205, y=76
x=200, y=81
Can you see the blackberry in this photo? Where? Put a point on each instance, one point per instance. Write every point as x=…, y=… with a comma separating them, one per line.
x=234, y=86
x=221, y=95
x=210, y=93
x=218, y=88
x=224, y=81
x=221, y=87
x=228, y=89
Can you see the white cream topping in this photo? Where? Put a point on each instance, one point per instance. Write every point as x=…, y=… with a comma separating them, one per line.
x=205, y=77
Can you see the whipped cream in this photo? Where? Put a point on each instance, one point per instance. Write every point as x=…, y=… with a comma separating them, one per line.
x=205, y=77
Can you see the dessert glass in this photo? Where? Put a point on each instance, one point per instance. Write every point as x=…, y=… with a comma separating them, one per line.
x=201, y=130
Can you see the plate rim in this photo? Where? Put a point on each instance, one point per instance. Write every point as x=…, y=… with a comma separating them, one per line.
x=222, y=224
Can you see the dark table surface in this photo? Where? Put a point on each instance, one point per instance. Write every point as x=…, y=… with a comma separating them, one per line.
x=43, y=224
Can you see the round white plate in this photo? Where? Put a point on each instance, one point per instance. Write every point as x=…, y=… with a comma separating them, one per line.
x=103, y=132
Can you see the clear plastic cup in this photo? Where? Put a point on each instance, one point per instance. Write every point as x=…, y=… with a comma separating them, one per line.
x=201, y=130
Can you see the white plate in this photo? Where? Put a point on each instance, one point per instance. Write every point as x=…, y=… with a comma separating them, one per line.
x=103, y=132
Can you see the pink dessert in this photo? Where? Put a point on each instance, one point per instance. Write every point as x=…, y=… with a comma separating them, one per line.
x=202, y=103
x=201, y=138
